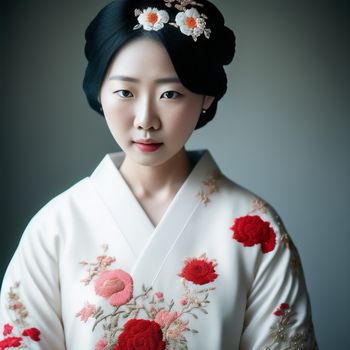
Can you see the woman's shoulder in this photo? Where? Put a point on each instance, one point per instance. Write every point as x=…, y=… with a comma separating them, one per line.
x=247, y=208
x=244, y=198
x=61, y=205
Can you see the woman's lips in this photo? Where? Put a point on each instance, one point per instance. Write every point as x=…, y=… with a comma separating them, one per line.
x=147, y=145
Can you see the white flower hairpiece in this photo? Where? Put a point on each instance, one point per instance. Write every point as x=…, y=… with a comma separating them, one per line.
x=192, y=23
x=151, y=18
x=189, y=21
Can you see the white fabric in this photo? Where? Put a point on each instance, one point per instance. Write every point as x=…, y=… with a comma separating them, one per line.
x=101, y=210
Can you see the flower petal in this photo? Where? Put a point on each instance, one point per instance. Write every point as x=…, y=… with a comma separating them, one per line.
x=180, y=19
x=185, y=30
x=192, y=12
x=164, y=17
x=158, y=26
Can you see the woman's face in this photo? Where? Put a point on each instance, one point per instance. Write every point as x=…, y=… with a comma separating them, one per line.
x=149, y=112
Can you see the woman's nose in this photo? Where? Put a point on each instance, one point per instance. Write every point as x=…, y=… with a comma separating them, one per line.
x=146, y=116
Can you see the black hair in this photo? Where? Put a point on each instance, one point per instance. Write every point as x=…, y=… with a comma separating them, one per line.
x=198, y=64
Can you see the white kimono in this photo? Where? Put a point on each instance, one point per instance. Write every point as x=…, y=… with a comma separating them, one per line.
x=219, y=271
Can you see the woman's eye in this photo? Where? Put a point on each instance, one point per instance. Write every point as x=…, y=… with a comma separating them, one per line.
x=171, y=94
x=124, y=93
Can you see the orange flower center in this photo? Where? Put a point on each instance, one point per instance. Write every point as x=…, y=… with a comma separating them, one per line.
x=191, y=22
x=152, y=17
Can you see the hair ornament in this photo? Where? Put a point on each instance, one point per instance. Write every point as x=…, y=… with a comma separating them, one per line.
x=188, y=20
x=151, y=18
x=192, y=23
x=182, y=4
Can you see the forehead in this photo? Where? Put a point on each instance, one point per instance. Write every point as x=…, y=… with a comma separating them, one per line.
x=142, y=56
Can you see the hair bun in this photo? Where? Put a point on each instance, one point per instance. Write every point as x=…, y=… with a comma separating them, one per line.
x=226, y=45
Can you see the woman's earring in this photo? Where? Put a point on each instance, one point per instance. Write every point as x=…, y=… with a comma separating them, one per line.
x=204, y=111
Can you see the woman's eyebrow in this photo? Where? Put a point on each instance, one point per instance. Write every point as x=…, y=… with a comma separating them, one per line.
x=134, y=80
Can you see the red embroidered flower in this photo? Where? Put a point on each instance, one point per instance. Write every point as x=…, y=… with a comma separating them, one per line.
x=284, y=306
x=281, y=309
x=115, y=285
x=250, y=230
x=141, y=335
x=7, y=329
x=32, y=333
x=199, y=271
x=10, y=342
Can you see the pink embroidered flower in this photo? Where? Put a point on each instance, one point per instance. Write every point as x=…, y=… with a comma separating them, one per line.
x=251, y=229
x=86, y=312
x=165, y=318
x=101, y=344
x=159, y=295
x=153, y=311
x=105, y=260
x=115, y=285
x=32, y=333
x=183, y=301
x=199, y=270
x=10, y=342
x=16, y=306
x=7, y=329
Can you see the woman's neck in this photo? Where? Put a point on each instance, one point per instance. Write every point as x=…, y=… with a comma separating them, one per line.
x=157, y=181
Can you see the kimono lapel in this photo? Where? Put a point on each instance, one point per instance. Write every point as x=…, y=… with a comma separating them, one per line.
x=173, y=222
x=129, y=216
x=150, y=245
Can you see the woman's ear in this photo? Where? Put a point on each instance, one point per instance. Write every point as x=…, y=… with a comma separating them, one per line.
x=208, y=100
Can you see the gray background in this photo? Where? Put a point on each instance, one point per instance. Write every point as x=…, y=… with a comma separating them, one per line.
x=282, y=130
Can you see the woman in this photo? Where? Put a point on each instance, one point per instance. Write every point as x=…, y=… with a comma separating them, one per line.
x=156, y=249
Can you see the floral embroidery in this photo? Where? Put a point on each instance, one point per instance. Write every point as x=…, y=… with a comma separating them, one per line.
x=142, y=334
x=280, y=332
x=21, y=335
x=182, y=4
x=148, y=319
x=188, y=20
x=95, y=268
x=251, y=230
x=16, y=305
x=101, y=344
x=191, y=23
x=287, y=243
x=15, y=341
x=86, y=312
x=115, y=285
x=211, y=184
x=199, y=271
x=7, y=329
x=259, y=205
x=11, y=342
x=151, y=18
x=32, y=333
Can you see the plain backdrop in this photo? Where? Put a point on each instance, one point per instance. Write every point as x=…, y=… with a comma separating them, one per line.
x=282, y=130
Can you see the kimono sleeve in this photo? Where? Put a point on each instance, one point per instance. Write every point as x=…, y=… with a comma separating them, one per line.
x=278, y=312
x=30, y=310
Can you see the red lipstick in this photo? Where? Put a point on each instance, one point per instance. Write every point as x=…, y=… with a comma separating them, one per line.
x=147, y=145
